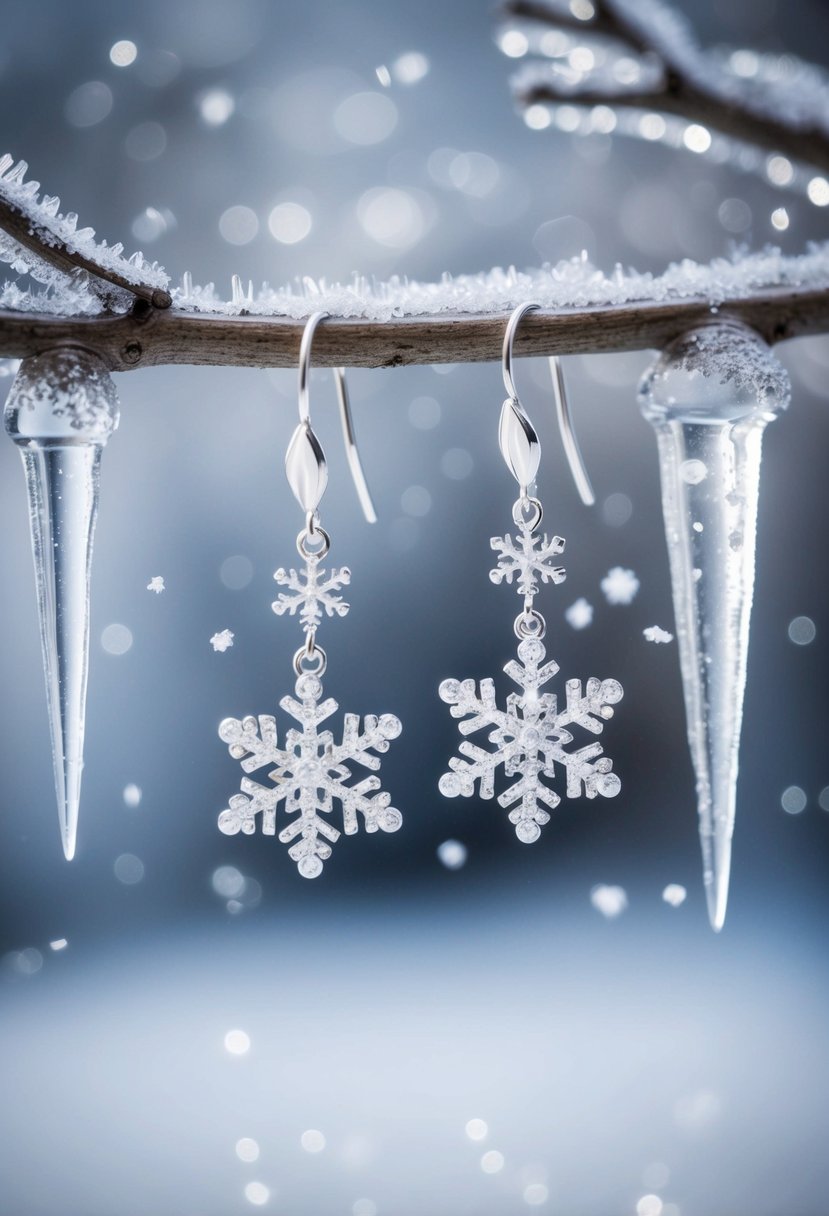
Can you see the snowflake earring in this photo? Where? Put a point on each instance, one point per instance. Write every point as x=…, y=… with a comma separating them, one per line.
x=530, y=737
x=310, y=772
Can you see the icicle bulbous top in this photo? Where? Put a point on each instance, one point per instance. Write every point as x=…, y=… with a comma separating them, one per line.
x=66, y=396
x=718, y=373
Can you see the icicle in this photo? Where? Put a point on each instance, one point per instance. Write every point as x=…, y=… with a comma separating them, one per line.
x=709, y=397
x=61, y=410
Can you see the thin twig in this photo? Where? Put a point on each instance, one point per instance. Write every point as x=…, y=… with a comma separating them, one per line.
x=50, y=249
x=151, y=337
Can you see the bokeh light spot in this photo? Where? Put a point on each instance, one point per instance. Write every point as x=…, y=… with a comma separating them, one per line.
x=132, y=795
x=236, y=572
x=146, y=141
x=247, y=1149
x=129, y=869
x=216, y=106
x=535, y=1194
x=416, y=501
x=237, y=1042
x=312, y=1140
x=802, y=630
x=793, y=800
x=238, y=225
x=456, y=464
x=366, y=118
x=424, y=413
x=452, y=854
x=89, y=104
x=116, y=639
x=289, y=223
x=123, y=53
x=257, y=1193
x=391, y=217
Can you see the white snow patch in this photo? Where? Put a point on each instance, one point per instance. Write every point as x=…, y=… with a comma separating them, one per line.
x=568, y=284
x=222, y=641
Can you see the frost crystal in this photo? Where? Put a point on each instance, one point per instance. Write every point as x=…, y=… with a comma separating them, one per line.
x=620, y=586
x=527, y=556
x=573, y=283
x=530, y=737
x=313, y=590
x=654, y=634
x=222, y=641
x=156, y=584
x=308, y=774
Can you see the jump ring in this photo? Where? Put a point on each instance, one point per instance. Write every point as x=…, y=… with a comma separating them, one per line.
x=520, y=510
x=530, y=624
x=320, y=536
x=313, y=664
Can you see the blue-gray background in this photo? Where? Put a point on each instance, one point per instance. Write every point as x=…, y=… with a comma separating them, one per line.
x=393, y=999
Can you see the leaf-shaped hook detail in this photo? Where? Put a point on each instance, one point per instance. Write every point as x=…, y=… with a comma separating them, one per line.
x=519, y=443
x=305, y=468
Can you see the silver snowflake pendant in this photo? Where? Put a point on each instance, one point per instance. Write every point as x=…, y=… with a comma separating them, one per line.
x=528, y=556
x=530, y=738
x=309, y=774
x=311, y=590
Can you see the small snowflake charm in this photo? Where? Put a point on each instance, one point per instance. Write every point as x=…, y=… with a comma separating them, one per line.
x=528, y=556
x=313, y=590
x=530, y=737
x=308, y=774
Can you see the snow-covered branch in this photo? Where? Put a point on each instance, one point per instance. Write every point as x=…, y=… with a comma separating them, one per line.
x=457, y=320
x=639, y=60
x=40, y=241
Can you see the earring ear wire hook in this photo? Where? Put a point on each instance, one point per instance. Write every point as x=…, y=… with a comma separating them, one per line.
x=563, y=415
x=349, y=436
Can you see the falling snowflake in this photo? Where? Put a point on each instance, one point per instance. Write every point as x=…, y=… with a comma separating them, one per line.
x=156, y=584
x=313, y=590
x=654, y=634
x=528, y=556
x=308, y=774
x=610, y=901
x=620, y=586
x=530, y=738
x=222, y=641
x=674, y=894
x=580, y=614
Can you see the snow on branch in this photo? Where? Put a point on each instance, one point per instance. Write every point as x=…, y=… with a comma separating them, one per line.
x=634, y=67
x=50, y=247
x=455, y=320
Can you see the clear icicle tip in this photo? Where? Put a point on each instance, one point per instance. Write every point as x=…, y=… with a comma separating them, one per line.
x=709, y=397
x=60, y=412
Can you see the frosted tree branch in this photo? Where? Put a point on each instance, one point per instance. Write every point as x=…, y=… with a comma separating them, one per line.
x=641, y=57
x=36, y=232
x=457, y=320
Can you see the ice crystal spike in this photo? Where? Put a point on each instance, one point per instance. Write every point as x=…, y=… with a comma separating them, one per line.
x=709, y=397
x=61, y=410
